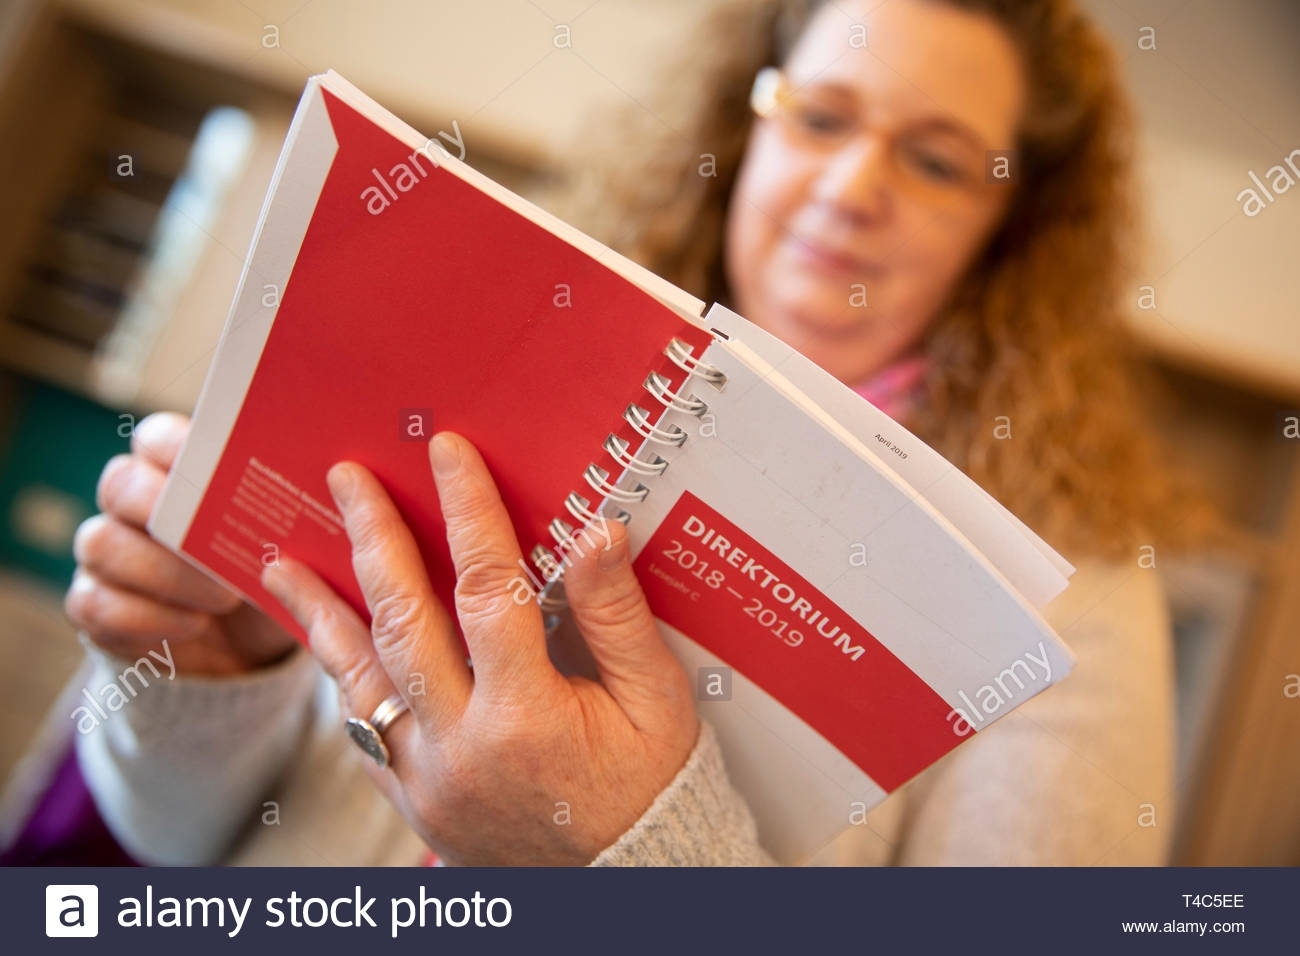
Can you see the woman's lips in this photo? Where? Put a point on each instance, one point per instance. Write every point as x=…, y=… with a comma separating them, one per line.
x=832, y=261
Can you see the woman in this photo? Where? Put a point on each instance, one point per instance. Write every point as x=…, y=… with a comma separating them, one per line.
x=960, y=167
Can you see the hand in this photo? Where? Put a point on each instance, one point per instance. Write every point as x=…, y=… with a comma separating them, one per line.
x=131, y=595
x=510, y=762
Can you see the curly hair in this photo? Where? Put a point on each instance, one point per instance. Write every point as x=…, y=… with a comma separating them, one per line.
x=1033, y=388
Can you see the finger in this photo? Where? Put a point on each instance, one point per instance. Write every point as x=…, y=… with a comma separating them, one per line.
x=159, y=437
x=119, y=554
x=123, y=622
x=128, y=488
x=341, y=642
x=610, y=609
x=506, y=639
x=412, y=633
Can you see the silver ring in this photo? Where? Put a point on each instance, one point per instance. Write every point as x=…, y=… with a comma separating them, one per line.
x=368, y=734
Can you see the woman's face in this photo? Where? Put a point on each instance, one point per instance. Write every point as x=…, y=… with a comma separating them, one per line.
x=860, y=203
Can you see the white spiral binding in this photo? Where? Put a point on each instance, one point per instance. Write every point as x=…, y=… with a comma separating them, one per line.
x=680, y=353
x=620, y=450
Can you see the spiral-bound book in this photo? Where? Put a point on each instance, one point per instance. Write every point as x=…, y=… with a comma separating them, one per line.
x=850, y=606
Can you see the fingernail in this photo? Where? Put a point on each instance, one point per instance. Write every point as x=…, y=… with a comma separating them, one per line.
x=341, y=483
x=115, y=476
x=273, y=580
x=614, y=555
x=151, y=428
x=444, y=454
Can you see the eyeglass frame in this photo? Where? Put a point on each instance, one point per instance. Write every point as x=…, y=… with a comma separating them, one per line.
x=771, y=83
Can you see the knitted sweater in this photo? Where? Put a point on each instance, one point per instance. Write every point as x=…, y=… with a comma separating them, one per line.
x=257, y=770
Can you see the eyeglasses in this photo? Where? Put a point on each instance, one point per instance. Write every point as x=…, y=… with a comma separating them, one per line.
x=817, y=122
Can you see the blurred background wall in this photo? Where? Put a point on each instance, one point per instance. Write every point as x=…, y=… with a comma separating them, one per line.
x=140, y=135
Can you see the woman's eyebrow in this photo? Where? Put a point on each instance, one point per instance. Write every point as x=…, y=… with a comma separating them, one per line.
x=950, y=127
x=815, y=84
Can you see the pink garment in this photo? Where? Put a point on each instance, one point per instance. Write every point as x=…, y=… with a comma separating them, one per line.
x=897, y=388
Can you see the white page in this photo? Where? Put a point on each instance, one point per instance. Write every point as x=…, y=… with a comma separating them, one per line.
x=1028, y=563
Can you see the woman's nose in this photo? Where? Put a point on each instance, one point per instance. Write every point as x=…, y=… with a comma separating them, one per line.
x=856, y=180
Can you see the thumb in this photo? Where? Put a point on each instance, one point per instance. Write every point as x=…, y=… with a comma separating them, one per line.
x=159, y=438
x=610, y=610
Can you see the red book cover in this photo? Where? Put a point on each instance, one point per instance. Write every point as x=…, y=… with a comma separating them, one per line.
x=415, y=303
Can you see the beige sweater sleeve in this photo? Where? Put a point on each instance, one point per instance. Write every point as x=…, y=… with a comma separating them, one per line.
x=178, y=771
x=698, y=820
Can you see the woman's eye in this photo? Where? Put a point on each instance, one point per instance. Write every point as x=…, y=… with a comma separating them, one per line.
x=935, y=167
x=820, y=121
